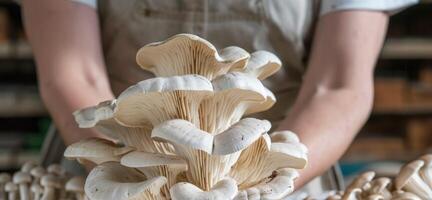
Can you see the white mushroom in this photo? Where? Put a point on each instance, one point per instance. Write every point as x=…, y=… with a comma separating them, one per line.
x=37, y=191
x=95, y=150
x=111, y=180
x=37, y=173
x=210, y=157
x=57, y=170
x=190, y=54
x=379, y=187
x=75, y=185
x=276, y=186
x=153, y=165
x=223, y=190
x=262, y=64
x=409, y=179
x=101, y=117
x=23, y=180
x=4, y=178
x=12, y=190
x=354, y=190
x=27, y=166
x=51, y=184
x=262, y=158
x=426, y=170
x=235, y=94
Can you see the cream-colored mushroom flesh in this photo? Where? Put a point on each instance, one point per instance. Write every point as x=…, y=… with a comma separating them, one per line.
x=189, y=54
x=113, y=181
x=153, y=165
x=234, y=94
x=96, y=150
x=156, y=100
x=409, y=179
x=262, y=64
x=210, y=157
x=223, y=190
x=101, y=117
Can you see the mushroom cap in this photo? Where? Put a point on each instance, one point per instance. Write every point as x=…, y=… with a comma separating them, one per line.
x=189, y=54
x=11, y=187
x=137, y=159
x=27, y=166
x=284, y=137
x=38, y=171
x=22, y=177
x=51, y=180
x=96, y=150
x=402, y=195
x=236, y=138
x=5, y=177
x=224, y=189
x=240, y=135
x=90, y=116
x=111, y=180
x=262, y=64
x=407, y=172
x=75, y=184
x=36, y=188
x=56, y=169
x=147, y=101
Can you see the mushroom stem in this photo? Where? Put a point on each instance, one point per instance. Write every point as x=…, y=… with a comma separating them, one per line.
x=12, y=189
x=4, y=178
x=24, y=191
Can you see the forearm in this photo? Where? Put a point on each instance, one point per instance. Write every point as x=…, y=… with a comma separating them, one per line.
x=62, y=99
x=65, y=39
x=336, y=96
x=326, y=122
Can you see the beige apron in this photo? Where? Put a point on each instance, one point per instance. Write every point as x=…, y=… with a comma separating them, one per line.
x=278, y=26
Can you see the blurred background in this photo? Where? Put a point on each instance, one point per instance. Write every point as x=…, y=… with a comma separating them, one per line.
x=399, y=129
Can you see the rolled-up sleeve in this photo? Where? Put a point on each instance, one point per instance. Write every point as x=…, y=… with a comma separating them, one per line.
x=389, y=6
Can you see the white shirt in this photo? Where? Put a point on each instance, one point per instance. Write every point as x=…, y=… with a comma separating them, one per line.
x=327, y=6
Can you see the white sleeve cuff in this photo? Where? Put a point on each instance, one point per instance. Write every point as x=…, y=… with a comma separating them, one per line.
x=389, y=6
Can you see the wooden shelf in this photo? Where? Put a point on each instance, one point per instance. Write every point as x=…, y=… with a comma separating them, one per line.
x=404, y=111
x=407, y=48
x=20, y=101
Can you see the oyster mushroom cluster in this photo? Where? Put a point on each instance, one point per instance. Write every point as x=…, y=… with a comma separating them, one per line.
x=414, y=182
x=33, y=182
x=182, y=135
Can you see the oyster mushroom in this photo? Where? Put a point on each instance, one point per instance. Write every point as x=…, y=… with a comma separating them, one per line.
x=263, y=157
x=235, y=94
x=210, y=157
x=111, y=180
x=262, y=64
x=37, y=191
x=51, y=184
x=355, y=188
x=4, y=178
x=426, y=170
x=95, y=150
x=189, y=54
x=75, y=185
x=277, y=186
x=409, y=179
x=23, y=180
x=379, y=187
x=27, y=166
x=153, y=101
x=101, y=117
x=153, y=165
x=223, y=190
x=12, y=190
x=37, y=173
